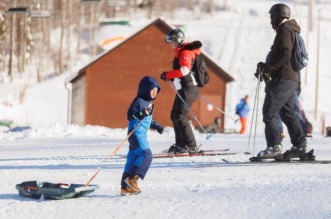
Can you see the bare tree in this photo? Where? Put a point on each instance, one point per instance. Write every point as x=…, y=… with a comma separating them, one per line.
x=27, y=40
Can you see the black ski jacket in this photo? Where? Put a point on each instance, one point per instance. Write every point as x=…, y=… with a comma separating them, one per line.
x=280, y=65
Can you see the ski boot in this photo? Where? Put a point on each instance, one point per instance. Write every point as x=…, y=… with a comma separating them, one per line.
x=173, y=148
x=186, y=149
x=182, y=150
x=299, y=152
x=193, y=150
x=310, y=155
x=271, y=152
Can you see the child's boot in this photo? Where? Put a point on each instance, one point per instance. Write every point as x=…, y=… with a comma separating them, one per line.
x=132, y=182
x=128, y=191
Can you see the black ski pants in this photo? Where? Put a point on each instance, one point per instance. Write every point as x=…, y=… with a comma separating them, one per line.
x=179, y=116
x=280, y=97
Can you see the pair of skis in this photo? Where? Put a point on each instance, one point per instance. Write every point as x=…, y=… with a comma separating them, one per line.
x=218, y=152
x=261, y=162
x=308, y=159
x=251, y=161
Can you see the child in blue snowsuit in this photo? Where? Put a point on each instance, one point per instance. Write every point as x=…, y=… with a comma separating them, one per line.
x=139, y=157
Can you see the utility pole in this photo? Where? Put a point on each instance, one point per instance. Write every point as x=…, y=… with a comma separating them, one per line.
x=10, y=62
x=310, y=14
x=307, y=41
x=317, y=62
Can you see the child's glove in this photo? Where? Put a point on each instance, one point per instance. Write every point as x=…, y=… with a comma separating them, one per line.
x=156, y=126
x=159, y=129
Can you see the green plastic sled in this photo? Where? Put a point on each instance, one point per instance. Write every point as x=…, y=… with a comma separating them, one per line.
x=57, y=191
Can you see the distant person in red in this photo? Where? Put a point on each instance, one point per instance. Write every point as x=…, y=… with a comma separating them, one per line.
x=242, y=111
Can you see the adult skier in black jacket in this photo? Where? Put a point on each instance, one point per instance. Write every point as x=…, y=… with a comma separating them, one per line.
x=280, y=93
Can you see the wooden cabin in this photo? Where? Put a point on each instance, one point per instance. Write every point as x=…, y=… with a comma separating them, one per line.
x=102, y=91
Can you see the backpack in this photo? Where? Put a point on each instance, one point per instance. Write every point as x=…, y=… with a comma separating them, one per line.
x=299, y=58
x=200, y=70
x=199, y=66
x=238, y=108
x=237, y=111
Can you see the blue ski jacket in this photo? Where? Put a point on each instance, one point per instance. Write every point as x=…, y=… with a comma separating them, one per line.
x=242, y=108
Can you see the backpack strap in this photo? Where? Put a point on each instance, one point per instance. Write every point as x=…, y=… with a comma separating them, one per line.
x=180, y=52
x=293, y=37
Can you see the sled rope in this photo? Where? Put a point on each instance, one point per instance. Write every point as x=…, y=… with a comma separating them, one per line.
x=125, y=139
x=88, y=182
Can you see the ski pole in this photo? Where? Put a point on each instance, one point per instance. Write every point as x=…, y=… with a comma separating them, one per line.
x=235, y=120
x=254, y=111
x=256, y=115
x=196, y=119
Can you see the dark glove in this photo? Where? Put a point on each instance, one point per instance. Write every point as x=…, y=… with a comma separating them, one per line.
x=156, y=126
x=259, y=71
x=163, y=76
x=160, y=129
x=260, y=66
x=262, y=69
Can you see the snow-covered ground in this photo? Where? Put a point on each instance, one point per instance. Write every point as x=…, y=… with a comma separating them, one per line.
x=174, y=188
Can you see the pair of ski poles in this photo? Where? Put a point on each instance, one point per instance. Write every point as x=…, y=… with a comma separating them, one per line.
x=255, y=107
x=256, y=103
x=208, y=136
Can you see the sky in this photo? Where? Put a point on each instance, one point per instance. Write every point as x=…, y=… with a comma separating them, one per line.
x=237, y=39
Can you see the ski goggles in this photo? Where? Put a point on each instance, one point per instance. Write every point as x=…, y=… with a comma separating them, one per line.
x=170, y=38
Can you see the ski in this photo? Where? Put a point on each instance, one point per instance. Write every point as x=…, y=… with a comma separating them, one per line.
x=168, y=155
x=217, y=150
x=270, y=161
x=309, y=156
x=203, y=153
x=262, y=163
